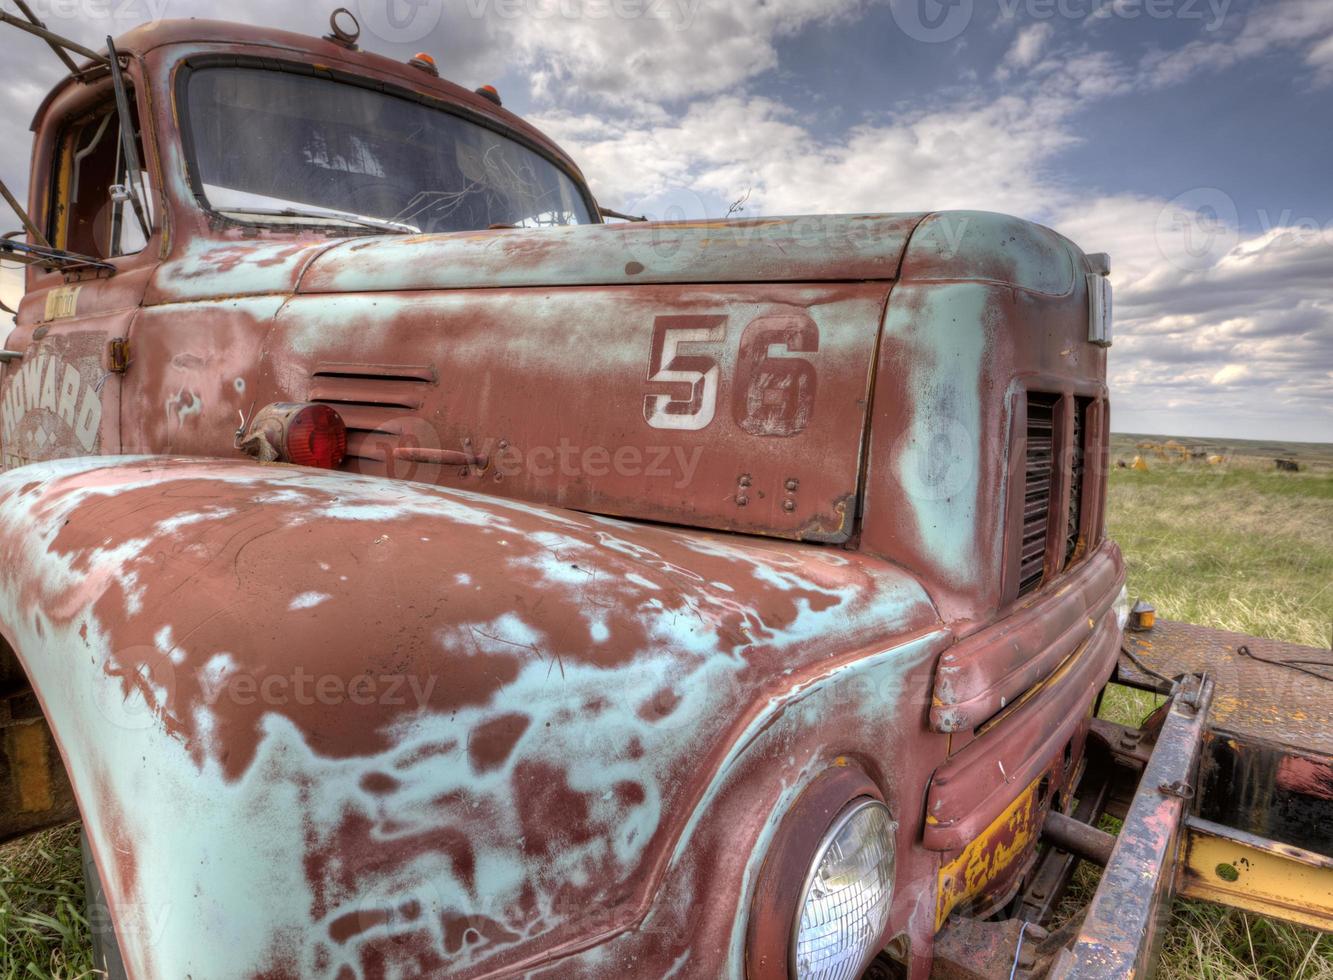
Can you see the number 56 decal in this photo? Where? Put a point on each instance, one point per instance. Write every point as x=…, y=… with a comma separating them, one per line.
x=773, y=394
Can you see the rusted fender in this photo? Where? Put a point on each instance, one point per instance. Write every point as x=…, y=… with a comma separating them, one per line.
x=320, y=723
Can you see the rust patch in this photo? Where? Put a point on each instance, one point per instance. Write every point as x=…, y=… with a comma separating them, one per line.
x=29, y=751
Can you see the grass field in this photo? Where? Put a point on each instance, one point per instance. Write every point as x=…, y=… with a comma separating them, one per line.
x=1239, y=545
x=1233, y=544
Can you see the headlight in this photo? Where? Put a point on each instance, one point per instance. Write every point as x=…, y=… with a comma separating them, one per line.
x=844, y=904
x=1122, y=607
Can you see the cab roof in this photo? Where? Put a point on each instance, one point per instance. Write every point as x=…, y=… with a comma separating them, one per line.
x=317, y=51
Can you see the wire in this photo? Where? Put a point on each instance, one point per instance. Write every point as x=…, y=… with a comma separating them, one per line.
x=1302, y=665
x=1018, y=951
x=1145, y=668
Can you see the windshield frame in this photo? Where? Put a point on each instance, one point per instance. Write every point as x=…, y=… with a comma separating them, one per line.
x=337, y=76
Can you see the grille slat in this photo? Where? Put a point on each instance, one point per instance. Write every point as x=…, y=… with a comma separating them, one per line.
x=1074, y=523
x=1039, y=470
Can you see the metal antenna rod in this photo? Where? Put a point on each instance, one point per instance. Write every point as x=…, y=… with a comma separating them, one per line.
x=61, y=53
x=50, y=37
x=37, y=237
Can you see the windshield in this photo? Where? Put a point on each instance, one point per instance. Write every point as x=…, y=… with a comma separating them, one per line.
x=281, y=147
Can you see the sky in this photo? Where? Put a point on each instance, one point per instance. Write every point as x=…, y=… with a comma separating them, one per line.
x=1190, y=139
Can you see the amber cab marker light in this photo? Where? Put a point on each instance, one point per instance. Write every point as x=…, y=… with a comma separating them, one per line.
x=425, y=62
x=490, y=92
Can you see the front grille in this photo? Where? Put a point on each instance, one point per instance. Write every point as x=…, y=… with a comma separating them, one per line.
x=1074, y=525
x=379, y=404
x=1039, y=476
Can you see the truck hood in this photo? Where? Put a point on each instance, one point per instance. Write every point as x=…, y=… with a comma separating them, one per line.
x=711, y=374
x=316, y=720
x=809, y=248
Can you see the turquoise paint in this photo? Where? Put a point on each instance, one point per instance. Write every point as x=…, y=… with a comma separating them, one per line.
x=984, y=246
x=946, y=329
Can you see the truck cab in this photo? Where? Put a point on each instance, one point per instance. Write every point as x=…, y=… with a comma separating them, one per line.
x=411, y=574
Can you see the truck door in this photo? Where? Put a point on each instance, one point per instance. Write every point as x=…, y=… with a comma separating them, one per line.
x=61, y=398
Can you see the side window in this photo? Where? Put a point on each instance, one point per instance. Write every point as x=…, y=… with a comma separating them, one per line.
x=91, y=211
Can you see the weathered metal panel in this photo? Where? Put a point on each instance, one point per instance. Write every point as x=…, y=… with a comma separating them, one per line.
x=737, y=408
x=808, y=248
x=984, y=778
x=60, y=399
x=1232, y=867
x=985, y=308
x=1263, y=691
x=579, y=694
x=987, y=671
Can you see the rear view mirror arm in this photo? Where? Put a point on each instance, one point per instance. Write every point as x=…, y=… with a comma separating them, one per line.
x=127, y=141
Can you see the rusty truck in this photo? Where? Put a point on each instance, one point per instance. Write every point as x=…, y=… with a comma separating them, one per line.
x=408, y=571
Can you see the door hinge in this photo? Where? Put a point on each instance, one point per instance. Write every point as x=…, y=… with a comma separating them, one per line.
x=118, y=355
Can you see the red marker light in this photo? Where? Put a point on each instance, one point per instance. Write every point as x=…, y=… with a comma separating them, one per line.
x=295, y=432
x=317, y=436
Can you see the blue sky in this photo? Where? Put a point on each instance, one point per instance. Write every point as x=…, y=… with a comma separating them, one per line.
x=1188, y=138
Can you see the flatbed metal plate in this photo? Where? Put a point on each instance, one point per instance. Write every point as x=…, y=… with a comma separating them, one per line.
x=1260, y=696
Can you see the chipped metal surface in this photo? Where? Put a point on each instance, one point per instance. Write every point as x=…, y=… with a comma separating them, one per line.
x=570, y=694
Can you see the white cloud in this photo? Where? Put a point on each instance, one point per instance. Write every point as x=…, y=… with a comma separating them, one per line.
x=1230, y=374
x=974, y=152
x=1028, y=44
x=660, y=52
x=1303, y=25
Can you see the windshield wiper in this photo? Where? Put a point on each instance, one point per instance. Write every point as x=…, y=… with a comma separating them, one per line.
x=48, y=257
x=384, y=224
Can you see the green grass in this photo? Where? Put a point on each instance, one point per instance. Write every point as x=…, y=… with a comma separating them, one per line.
x=1244, y=547
x=43, y=933
x=1235, y=545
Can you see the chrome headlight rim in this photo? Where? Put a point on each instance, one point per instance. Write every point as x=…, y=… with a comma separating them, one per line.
x=853, y=810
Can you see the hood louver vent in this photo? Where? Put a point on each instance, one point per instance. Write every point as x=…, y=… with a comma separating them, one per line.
x=375, y=400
